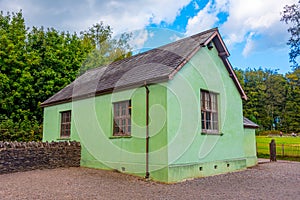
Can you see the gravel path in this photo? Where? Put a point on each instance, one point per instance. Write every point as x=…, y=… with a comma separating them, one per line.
x=280, y=180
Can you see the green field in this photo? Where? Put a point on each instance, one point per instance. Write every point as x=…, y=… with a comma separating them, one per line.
x=286, y=147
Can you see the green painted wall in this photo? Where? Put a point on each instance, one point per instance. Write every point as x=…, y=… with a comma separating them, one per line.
x=51, y=124
x=92, y=125
x=187, y=146
x=250, y=147
x=192, y=170
x=178, y=149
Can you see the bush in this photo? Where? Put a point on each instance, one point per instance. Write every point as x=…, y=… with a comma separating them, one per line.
x=24, y=130
x=266, y=133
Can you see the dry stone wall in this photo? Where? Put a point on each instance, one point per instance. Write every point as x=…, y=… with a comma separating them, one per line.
x=24, y=156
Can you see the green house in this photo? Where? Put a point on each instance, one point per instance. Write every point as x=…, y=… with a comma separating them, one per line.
x=168, y=114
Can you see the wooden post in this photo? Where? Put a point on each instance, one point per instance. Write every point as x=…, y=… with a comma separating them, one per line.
x=272, y=151
x=256, y=149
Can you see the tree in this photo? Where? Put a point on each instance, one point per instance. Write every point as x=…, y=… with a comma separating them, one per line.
x=292, y=114
x=55, y=60
x=267, y=97
x=291, y=15
x=273, y=99
x=36, y=63
x=16, y=120
x=105, y=48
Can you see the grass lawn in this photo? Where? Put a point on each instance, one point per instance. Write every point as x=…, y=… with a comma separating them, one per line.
x=286, y=147
x=278, y=140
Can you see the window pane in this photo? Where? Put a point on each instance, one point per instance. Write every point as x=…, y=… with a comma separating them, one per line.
x=129, y=129
x=122, y=118
x=212, y=101
x=215, y=125
x=123, y=110
x=215, y=121
x=209, y=111
x=65, y=127
x=208, y=120
x=129, y=125
x=116, y=128
x=208, y=125
x=208, y=106
x=203, y=120
x=202, y=100
x=116, y=110
x=208, y=116
x=214, y=116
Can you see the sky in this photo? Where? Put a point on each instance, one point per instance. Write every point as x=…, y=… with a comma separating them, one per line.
x=251, y=29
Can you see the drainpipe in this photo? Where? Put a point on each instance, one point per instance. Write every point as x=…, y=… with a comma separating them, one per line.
x=147, y=131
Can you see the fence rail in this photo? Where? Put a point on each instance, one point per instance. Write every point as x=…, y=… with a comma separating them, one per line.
x=282, y=150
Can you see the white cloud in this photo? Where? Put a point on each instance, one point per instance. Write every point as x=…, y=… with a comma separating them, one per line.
x=207, y=17
x=78, y=15
x=222, y=5
x=256, y=23
x=138, y=40
x=260, y=18
x=133, y=15
x=249, y=45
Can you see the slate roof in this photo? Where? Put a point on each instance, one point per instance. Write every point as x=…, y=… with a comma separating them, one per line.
x=249, y=124
x=153, y=66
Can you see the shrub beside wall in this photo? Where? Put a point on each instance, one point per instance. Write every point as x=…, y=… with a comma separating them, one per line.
x=24, y=156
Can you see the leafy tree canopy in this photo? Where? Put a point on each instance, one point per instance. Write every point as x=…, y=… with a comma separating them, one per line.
x=36, y=63
x=273, y=99
x=105, y=49
x=291, y=16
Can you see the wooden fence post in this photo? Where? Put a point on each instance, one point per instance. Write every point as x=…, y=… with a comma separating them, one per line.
x=256, y=149
x=272, y=151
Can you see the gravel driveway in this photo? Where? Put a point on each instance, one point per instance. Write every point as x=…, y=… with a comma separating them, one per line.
x=280, y=180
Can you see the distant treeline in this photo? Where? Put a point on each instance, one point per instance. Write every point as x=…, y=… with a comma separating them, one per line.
x=273, y=98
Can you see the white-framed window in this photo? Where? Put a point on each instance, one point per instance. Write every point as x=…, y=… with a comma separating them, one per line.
x=65, y=124
x=122, y=118
x=209, y=112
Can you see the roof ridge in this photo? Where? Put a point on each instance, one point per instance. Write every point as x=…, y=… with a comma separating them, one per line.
x=162, y=47
x=191, y=36
x=156, y=65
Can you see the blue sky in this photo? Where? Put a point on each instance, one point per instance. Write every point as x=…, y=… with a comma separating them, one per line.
x=251, y=29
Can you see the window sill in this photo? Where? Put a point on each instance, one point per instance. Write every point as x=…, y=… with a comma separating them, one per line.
x=67, y=138
x=120, y=136
x=219, y=134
